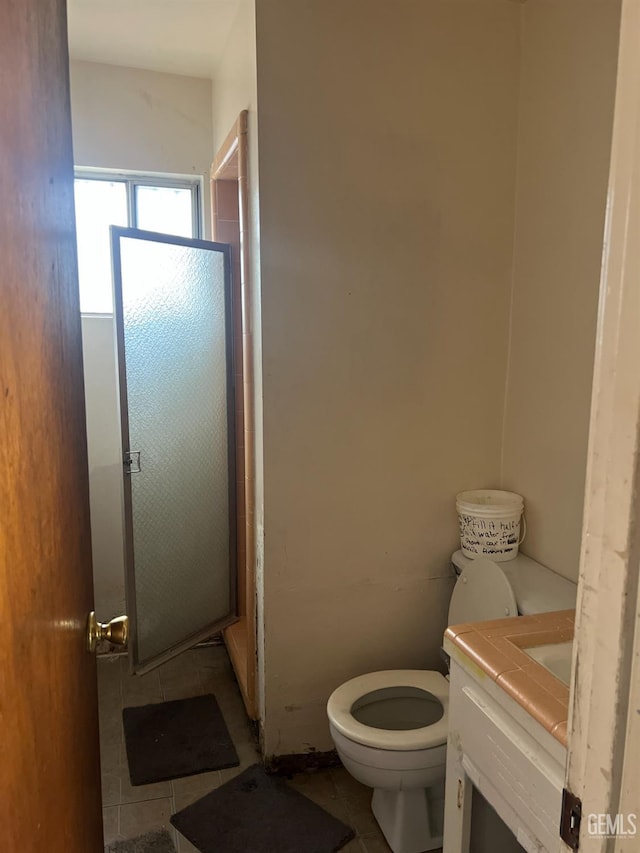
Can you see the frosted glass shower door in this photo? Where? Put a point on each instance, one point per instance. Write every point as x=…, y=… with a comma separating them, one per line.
x=174, y=333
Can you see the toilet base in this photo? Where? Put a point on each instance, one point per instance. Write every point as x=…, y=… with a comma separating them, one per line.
x=411, y=820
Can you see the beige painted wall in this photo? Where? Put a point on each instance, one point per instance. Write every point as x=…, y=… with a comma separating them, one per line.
x=234, y=85
x=387, y=163
x=105, y=464
x=144, y=121
x=124, y=118
x=569, y=54
x=235, y=89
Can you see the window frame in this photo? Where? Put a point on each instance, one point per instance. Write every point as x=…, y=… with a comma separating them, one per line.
x=149, y=179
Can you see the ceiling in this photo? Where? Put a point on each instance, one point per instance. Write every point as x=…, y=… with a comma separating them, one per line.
x=175, y=36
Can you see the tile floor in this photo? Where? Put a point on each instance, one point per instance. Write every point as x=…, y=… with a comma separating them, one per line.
x=129, y=811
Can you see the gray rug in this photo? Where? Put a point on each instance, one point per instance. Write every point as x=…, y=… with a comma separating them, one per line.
x=151, y=842
x=257, y=813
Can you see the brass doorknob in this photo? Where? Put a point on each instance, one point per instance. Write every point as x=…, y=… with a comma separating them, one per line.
x=116, y=631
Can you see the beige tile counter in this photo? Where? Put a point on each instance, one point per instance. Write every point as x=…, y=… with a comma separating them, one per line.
x=498, y=648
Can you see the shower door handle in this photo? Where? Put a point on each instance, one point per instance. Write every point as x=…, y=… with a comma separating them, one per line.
x=131, y=462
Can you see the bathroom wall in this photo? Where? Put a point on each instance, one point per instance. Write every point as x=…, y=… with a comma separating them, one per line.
x=387, y=166
x=569, y=54
x=235, y=88
x=234, y=85
x=124, y=118
x=145, y=121
x=105, y=464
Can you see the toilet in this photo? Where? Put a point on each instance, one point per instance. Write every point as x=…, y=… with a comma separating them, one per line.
x=390, y=727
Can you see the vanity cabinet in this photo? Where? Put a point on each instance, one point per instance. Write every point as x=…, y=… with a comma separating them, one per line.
x=496, y=746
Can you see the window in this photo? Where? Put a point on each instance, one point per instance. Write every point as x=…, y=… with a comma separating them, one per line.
x=151, y=203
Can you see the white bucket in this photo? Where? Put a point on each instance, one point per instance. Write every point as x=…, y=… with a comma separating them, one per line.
x=490, y=524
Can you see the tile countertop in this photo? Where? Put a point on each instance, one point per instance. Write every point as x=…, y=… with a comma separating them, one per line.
x=497, y=647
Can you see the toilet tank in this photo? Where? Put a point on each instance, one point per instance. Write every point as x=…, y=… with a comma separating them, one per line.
x=537, y=589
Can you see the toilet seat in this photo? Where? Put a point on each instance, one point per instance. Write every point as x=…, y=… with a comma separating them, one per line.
x=344, y=697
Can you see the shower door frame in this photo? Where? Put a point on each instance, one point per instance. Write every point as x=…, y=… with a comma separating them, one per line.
x=231, y=164
x=135, y=666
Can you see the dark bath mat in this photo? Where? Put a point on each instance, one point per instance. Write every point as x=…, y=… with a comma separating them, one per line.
x=150, y=842
x=173, y=739
x=262, y=814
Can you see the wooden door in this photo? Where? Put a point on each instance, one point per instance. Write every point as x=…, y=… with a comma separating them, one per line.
x=49, y=755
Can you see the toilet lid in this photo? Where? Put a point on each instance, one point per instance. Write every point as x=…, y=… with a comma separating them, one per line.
x=482, y=592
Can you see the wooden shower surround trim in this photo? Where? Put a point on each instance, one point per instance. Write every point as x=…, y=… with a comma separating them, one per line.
x=231, y=164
